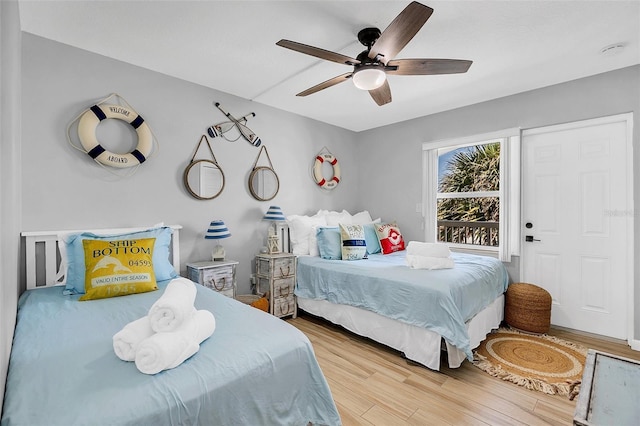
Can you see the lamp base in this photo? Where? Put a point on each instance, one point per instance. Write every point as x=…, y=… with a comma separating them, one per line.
x=218, y=253
x=272, y=244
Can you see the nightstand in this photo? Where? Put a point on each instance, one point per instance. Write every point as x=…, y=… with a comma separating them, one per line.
x=218, y=275
x=276, y=273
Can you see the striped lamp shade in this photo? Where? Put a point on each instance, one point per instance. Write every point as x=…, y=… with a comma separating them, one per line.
x=275, y=214
x=217, y=229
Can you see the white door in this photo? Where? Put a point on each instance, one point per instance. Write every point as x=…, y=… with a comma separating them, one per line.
x=577, y=222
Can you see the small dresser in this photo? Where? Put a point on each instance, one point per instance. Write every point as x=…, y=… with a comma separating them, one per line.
x=276, y=274
x=218, y=275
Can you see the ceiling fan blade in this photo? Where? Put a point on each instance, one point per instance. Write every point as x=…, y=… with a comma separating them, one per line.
x=331, y=82
x=317, y=52
x=382, y=95
x=427, y=66
x=400, y=32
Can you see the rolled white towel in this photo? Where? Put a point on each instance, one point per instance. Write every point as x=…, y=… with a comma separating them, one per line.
x=426, y=262
x=164, y=351
x=126, y=341
x=174, y=306
x=416, y=248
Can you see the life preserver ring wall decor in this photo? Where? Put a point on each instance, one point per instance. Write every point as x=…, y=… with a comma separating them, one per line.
x=87, y=133
x=321, y=181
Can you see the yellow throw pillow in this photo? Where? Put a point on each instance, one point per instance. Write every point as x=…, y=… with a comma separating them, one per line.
x=118, y=267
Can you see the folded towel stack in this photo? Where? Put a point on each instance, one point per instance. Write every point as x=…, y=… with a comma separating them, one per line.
x=171, y=332
x=166, y=350
x=428, y=256
x=174, y=306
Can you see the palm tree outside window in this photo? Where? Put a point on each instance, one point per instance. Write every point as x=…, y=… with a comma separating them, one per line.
x=468, y=198
x=471, y=193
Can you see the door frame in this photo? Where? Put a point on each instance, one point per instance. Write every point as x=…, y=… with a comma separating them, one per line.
x=626, y=118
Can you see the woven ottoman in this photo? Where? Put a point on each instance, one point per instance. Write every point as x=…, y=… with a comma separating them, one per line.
x=528, y=308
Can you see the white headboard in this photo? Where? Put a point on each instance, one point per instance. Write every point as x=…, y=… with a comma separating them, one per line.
x=47, y=261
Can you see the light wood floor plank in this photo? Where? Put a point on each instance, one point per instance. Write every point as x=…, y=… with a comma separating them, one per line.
x=374, y=385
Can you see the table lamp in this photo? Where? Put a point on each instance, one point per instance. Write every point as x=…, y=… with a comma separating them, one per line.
x=217, y=230
x=275, y=215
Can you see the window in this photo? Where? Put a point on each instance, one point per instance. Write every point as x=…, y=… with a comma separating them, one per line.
x=468, y=197
x=471, y=193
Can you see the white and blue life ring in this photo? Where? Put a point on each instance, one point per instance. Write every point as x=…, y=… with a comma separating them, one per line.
x=87, y=133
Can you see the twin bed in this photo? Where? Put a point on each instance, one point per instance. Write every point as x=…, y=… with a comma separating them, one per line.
x=411, y=310
x=254, y=370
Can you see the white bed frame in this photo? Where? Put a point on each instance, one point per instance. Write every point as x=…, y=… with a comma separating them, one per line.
x=48, y=260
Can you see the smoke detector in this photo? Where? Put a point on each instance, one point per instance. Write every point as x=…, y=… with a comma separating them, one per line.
x=612, y=49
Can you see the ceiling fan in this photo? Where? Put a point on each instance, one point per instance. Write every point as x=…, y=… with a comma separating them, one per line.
x=371, y=66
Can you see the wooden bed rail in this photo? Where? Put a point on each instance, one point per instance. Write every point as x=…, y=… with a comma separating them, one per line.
x=47, y=259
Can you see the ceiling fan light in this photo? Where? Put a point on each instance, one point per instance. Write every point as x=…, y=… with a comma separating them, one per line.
x=369, y=78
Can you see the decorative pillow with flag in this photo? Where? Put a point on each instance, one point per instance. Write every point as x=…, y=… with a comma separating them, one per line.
x=390, y=237
x=118, y=267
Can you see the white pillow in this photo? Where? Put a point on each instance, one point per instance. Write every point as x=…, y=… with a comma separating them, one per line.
x=299, y=231
x=313, y=241
x=361, y=218
x=334, y=218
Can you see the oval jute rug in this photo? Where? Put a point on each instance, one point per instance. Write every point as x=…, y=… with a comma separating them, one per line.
x=538, y=362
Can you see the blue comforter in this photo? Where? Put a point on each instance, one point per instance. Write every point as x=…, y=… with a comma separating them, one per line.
x=254, y=370
x=439, y=300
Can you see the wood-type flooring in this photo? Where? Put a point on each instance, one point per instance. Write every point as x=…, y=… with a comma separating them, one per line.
x=374, y=385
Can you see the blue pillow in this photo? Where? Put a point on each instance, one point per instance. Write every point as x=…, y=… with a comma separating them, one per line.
x=371, y=238
x=329, y=243
x=75, y=273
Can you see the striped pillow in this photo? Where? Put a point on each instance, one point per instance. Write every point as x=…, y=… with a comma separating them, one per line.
x=354, y=245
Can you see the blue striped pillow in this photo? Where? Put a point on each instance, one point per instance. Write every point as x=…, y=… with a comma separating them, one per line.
x=354, y=245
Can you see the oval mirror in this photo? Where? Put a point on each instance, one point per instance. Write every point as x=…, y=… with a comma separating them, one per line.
x=204, y=179
x=263, y=183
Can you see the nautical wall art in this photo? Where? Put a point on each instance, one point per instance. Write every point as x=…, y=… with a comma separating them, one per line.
x=88, y=121
x=239, y=124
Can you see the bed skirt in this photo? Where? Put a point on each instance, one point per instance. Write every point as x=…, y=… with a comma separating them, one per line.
x=418, y=344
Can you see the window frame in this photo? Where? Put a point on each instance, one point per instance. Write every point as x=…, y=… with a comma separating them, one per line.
x=509, y=190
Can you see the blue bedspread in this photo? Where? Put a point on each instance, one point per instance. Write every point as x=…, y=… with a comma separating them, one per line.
x=254, y=370
x=439, y=300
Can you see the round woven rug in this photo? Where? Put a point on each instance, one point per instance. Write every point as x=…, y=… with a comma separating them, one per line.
x=539, y=362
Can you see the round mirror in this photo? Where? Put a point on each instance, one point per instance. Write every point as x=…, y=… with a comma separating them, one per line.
x=204, y=179
x=263, y=183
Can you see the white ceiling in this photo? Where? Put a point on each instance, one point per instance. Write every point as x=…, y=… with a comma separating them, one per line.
x=230, y=46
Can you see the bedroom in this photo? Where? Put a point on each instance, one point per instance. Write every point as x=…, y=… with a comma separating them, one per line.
x=56, y=81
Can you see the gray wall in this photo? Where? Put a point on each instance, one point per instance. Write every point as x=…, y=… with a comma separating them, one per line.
x=390, y=158
x=9, y=177
x=64, y=189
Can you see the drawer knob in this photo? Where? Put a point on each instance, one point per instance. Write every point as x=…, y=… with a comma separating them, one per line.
x=282, y=311
x=282, y=274
x=215, y=285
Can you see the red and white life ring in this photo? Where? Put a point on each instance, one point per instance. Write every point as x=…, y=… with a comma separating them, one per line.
x=317, y=171
x=87, y=133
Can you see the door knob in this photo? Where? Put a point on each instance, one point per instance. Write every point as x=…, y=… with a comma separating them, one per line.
x=530, y=239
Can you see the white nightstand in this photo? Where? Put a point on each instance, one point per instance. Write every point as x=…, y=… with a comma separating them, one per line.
x=218, y=275
x=276, y=273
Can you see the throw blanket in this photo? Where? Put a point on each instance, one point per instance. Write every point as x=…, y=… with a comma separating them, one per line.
x=126, y=341
x=174, y=306
x=167, y=350
x=428, y=256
